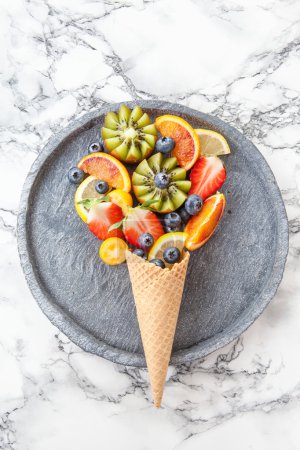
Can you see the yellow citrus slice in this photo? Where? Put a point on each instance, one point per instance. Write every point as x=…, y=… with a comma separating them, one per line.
x=86, y=189
x=212, y=143
x=176, y=239
x=122, y=199
x=187, y=145
x=112, y=251
x=107, y=168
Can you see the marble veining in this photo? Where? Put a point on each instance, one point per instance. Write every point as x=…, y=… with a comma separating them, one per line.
x=237, y=60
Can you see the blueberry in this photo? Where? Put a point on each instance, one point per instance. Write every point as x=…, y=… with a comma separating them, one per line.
x=76, y=175
x=172, y=220
x=162, y=180
x=165, y=145
x=158, y=262
x=171, y=255
x=193, y=204
x=184, y=214
x=139, y=252
x=102, y=187
x=96, y=147
x=146, y=241
x=172, y=229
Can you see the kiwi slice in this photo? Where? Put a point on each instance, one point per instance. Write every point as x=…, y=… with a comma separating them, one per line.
x=161, y=179
x=129, y=135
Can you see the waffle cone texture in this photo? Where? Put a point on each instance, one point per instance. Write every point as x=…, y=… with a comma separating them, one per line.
x=157, y=294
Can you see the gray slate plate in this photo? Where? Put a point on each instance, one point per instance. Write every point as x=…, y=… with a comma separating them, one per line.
x=230, y=280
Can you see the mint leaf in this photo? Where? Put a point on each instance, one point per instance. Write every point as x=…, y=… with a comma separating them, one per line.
x=116, y=225
x=89, y=202
x=148, y=203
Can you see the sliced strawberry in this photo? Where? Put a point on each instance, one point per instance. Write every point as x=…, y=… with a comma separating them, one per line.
x=139, y=221
x=101, y=217
x=207, y=176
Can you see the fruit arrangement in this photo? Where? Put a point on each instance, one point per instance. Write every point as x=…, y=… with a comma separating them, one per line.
x=175, y=186
x=170, y=206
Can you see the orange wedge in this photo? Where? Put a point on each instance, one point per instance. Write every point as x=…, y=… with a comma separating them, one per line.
x=121, y=198
x=107, y=168
x=201, y=227
x=187, y=144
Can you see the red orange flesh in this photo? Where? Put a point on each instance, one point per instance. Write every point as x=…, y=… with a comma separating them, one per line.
x=187, y=144
x=107, y=168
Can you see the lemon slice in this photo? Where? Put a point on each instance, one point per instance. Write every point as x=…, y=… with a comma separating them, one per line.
x=212, y=143
x=176, y=239
x=86, y=189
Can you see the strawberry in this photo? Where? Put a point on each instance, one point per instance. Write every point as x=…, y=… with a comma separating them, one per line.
x=101, y=217
x=207, y=176
x=139, y=221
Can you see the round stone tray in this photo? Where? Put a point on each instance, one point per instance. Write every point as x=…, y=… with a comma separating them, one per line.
x=230, y=280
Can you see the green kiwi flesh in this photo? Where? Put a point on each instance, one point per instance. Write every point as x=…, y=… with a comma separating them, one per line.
x=129, y=135
x=145, y=189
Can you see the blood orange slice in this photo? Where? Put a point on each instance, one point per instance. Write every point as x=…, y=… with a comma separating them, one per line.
x=187, y=144
x=107, y=168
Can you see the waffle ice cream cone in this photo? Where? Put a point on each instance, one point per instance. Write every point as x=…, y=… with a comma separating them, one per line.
x=157, y=294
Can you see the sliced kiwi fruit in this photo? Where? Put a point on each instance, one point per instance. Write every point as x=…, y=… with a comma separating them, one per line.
x=147, y=186
x=129, y=135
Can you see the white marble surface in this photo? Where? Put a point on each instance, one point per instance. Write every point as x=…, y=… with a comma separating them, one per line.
x=238, y=60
